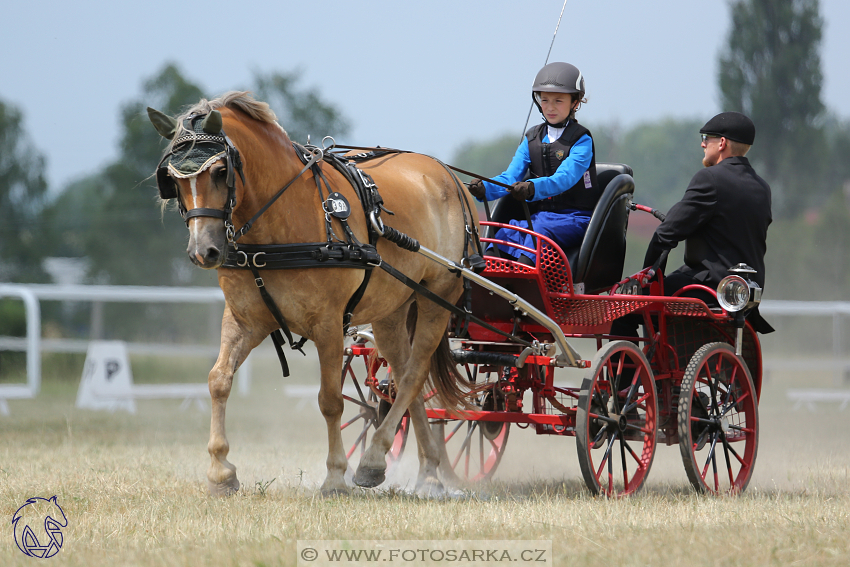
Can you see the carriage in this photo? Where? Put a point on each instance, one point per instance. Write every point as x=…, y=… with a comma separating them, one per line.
x=693, y=379
x=274, y=218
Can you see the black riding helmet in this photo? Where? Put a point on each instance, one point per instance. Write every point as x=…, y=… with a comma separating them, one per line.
x=557, y=77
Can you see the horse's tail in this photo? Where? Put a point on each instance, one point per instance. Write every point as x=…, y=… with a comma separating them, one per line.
x=449, y=385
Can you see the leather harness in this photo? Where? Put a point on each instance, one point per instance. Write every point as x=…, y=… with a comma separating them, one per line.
x=335, y=252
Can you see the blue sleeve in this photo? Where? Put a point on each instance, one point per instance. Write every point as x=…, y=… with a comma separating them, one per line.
x=515, y=172
x=569, y=172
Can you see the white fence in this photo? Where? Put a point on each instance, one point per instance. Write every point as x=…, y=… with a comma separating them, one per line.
x=33, y=344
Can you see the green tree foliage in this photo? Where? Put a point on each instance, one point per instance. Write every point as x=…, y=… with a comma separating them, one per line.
x=771, y=71
x=486, y=158
x=300, y=112
x=22, y=193
x=664, y=156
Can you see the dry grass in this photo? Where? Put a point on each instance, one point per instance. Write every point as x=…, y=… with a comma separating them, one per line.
x=133, y=488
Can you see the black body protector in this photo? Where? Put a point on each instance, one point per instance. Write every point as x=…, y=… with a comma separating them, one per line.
x=546, y=158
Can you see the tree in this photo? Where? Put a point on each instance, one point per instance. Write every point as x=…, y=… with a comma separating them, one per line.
x=300, y=112
x=771, y=71
x=22, y=193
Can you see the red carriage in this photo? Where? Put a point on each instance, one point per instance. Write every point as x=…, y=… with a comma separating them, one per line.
x=693, y=379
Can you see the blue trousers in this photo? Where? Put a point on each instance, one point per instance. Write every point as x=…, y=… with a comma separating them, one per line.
x=566, y=228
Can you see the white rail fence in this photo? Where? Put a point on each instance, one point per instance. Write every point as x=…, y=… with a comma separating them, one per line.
x=34, y=344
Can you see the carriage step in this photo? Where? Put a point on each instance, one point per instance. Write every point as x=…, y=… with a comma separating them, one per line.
x=492, y=358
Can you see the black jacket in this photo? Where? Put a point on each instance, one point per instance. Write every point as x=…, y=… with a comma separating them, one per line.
x=723, y=219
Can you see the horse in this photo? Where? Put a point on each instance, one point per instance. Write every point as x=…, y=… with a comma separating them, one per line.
x=427, y=202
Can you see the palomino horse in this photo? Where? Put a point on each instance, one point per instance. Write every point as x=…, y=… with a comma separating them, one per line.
x=426, y=201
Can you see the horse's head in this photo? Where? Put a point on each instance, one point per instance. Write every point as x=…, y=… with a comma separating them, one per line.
x=199, y=169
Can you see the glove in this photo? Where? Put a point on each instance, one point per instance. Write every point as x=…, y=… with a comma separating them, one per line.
x=476, y=188
x=522, y=190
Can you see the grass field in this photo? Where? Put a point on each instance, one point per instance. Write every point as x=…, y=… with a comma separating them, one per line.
x=134, y=491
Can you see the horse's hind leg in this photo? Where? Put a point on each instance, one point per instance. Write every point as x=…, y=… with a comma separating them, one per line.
x=391, y=335
x=235, y=346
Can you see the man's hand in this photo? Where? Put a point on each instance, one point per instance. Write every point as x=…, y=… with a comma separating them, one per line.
x=476, y=188
x=522, y=190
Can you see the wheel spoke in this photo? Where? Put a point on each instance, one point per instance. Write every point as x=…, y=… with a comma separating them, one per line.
x=734, y=452
x=361, y=437
x=637, y=403
x=640, y=464
x=728, y=462
x=361, y=415
x=625, y=465
x=599, y=436
x=728, y=408
x=638, y=428
x=710, y=459
x=452, y=434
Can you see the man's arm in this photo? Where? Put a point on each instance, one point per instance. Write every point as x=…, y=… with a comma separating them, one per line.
x=685, y=217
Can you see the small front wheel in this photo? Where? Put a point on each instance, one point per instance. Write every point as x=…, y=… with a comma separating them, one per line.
x=718, y=420
x=616, y=420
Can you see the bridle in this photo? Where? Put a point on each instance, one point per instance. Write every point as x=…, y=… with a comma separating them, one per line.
x=233, y=163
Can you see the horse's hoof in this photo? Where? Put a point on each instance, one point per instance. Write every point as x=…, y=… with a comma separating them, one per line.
x=334, y=492
x=431, y=488
x=223, y=488
x=369, y=478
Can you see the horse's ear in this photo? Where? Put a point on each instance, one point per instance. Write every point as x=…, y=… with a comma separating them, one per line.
x=212, y=122
x=164, y=124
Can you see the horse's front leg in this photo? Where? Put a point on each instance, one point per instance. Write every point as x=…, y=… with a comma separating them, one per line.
x=329, y=345
x=235, y=346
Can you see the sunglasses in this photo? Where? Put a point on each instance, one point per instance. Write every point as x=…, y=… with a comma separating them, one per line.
x=705, y=137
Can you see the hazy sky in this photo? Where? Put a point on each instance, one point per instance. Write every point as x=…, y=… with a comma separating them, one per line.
x=424, y=76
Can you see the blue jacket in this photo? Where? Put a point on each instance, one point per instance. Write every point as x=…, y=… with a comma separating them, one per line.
x=568, y=174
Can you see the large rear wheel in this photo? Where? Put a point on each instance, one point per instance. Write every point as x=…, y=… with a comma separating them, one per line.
x=616, y=420
x=718, y=420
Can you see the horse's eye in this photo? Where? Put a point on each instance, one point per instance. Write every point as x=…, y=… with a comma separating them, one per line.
x=219, y=173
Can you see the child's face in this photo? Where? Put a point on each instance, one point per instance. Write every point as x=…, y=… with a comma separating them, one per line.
x=556, y=106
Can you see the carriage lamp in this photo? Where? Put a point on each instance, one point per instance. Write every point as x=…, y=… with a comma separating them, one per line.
x=734, y=293
x=738, y=295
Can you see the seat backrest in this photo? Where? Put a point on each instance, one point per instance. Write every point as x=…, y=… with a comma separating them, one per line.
x=598, y=262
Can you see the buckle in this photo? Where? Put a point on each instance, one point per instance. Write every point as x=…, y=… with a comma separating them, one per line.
x=259, y=282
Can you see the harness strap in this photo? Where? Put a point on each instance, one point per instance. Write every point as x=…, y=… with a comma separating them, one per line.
x=278, y=316
x=314, y=157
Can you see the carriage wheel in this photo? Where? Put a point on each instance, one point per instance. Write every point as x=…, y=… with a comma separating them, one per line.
x=365, y=411
x=616, y=420
x=718, y=420
x=470, y=451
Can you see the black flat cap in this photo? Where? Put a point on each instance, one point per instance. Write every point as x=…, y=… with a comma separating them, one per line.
x=732, y=126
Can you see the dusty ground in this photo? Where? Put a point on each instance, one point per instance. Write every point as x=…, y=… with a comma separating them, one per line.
x=133, y=488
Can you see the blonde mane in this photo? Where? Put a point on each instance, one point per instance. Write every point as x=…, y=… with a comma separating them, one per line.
x=238, y=100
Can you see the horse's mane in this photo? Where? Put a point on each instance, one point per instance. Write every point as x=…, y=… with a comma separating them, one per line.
x=239, y=100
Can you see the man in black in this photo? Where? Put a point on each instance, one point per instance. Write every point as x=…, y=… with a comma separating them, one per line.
x=724, y=214
x=723, y=217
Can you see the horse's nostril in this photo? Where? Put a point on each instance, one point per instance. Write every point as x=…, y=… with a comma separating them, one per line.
x=213, y=254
